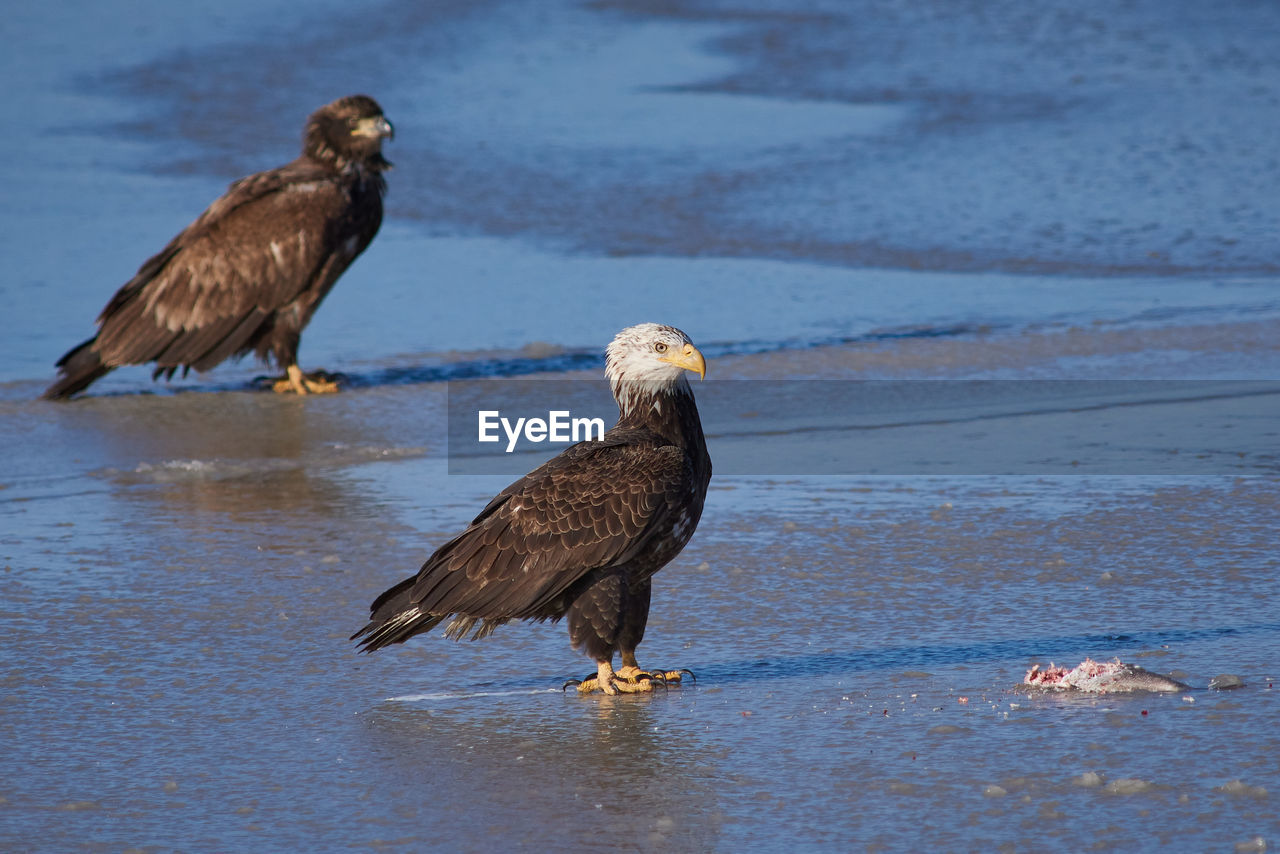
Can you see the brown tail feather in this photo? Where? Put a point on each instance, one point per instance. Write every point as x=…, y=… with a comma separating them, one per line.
x=77, y=370
x=395, y=618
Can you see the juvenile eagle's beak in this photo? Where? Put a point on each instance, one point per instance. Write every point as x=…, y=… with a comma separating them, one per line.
x=374, y=126
x=690, y=359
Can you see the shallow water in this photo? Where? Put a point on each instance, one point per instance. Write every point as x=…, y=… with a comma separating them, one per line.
x=898, y=194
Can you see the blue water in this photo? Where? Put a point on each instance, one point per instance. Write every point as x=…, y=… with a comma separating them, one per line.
x=528, y=210
x=841, y=191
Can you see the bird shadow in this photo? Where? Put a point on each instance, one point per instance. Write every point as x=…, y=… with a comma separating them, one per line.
x=927, y=656
x=891, y=659
x=471, y=369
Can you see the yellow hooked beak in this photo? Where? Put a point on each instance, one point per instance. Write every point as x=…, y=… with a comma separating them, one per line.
x=374, y=126
x=688, y=358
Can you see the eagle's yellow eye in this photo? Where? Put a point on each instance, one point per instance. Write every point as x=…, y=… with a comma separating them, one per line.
x=660, y=346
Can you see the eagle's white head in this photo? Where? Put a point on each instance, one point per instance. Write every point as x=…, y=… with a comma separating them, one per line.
x=648, y=361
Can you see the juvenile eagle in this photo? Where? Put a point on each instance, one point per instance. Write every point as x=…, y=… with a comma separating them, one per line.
x=582, y=535
x=248, y=274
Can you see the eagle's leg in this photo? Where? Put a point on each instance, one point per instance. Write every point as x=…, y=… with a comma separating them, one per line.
x=299, y=383
x=608, y=616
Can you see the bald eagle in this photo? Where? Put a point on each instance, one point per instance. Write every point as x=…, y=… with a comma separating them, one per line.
x=248, y=274
x=582, y=535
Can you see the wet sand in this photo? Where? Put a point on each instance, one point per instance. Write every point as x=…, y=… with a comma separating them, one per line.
x=182, y=589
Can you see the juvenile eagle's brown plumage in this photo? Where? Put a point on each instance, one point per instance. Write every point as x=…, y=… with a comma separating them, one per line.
x=248, y=274
x=582, y=535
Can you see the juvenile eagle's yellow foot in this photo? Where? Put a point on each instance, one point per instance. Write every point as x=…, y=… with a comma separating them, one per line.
x=296, y=382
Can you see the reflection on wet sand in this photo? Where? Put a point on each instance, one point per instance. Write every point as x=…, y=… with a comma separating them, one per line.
x=600, y=772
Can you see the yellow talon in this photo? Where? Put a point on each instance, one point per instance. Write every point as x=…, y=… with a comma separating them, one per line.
x=630, y=679
x=297, y=382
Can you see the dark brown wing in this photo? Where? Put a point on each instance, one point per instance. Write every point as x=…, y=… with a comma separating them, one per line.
x=595, y=505
x=213, y=289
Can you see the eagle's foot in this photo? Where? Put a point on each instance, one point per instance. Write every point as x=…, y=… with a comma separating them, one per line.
x=296, y=382
x=629, y=680
x=632, y=673
x=611, y=686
